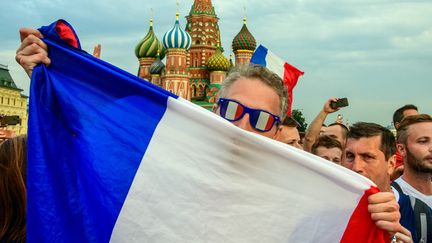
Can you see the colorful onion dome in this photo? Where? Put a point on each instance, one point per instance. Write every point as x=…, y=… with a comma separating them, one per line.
x=218, y=62
x=244, y=40
x=149, y=45
x=177, y=37
x=157, y=66
x=202, y=7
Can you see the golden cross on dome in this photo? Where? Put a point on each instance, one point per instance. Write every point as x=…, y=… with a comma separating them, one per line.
x=244, y=18
x=151, y=17
x=177, y=11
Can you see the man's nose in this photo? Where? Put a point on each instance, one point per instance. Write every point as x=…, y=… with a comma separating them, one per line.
x=244, y=123
x=357, y=165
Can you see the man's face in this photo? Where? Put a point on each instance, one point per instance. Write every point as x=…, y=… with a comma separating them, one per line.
x=331, y=154
x=289, y=135
x=335, y=132
x=365, y=157
x=254, y=94
x=418, y=148
x=405, y=113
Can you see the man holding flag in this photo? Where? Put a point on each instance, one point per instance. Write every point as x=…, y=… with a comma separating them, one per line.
x=169, y=196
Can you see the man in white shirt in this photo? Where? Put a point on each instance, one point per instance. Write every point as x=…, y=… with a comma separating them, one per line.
x=414, y=143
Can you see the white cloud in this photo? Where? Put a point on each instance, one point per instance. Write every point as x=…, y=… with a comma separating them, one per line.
x=421, y=41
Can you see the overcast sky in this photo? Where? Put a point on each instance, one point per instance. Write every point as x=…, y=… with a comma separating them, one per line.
x=378, y=53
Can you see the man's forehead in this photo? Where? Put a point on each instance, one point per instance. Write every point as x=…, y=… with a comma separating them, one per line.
x=323, y=149
x=409, y=112
x=334, y=128
x=372, y=143
x=290, y=131
x=420, y=129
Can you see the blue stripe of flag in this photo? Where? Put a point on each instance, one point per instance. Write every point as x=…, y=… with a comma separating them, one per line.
x=259, y=56
x=89, y=126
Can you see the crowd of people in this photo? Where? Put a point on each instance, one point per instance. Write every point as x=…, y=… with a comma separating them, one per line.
x=255, y=99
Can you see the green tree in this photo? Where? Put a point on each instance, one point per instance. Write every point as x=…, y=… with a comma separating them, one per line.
x=298, y=116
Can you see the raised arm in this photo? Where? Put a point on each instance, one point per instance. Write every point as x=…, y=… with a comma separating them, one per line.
x=314, y=128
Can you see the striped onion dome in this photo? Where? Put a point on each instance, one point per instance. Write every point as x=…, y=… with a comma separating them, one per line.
x=244, y=40
x=157, y=66
x=218, y=62
x=176, y=37
x=149, y=45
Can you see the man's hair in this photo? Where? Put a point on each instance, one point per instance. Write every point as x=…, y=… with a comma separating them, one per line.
x=290, y=122
x=367, y=130
x=344, y=128
x=398, y=114
x=13, y=154
x=326, y=142
x=402, y=132
x=264, y=75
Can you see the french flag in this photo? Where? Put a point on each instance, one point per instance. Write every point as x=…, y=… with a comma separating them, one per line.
x=113, y=158
x=288, y=73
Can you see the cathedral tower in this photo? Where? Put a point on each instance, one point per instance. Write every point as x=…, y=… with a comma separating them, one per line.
x=218, y=65
x=243, y=45
x=146, y=52
x=177, y=42
x=202, y=25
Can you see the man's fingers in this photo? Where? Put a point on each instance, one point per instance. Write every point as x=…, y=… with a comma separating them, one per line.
x=381, y=197
x=33, y=53
x=29, y=62
x=388, y=226
x=394, y=217
x=32, y=39
x=403, y=238
x=383, y=207
x=32, y=49
x=24, y=32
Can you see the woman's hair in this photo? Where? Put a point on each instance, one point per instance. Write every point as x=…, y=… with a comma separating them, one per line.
x=13, y=161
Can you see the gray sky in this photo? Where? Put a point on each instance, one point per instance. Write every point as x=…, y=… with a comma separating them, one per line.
x=378, y=53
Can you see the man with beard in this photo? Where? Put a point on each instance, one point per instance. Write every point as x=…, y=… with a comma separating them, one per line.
x=398, y=116
x=370, y=151
x=414, y=139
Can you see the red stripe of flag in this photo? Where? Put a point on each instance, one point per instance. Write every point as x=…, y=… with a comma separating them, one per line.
x=361, y=228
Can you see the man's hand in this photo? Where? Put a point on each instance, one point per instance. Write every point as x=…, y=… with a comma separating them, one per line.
x=404, y=236
x=385, y=211
x=327, y=108
x=32, y=50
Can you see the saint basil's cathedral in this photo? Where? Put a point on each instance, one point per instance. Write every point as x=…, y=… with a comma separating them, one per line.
x=195, y=65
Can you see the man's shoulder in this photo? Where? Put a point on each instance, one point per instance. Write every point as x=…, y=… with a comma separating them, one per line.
x=406, y=188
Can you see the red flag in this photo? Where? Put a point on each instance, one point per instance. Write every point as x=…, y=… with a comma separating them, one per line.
x=291, y=76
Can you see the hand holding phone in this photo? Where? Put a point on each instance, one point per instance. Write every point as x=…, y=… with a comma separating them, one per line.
x=341, y=102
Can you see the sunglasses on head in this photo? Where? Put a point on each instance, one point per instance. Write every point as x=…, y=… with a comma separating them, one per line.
x=260, y=120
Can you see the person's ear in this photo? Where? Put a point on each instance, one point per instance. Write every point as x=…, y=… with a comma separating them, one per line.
x=397, y=124
x=401, y=149
x=391, y=163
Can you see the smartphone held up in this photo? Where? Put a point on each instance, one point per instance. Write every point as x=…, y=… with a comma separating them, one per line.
x=341, y=102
